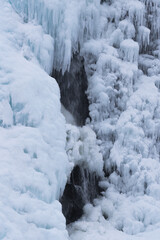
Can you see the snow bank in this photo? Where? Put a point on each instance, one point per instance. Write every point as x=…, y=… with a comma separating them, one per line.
x=33, y=169
x=97, y=227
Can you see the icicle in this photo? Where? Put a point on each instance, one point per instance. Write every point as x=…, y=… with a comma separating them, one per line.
x=116, y=38
x=129, y=50
x=127, y=28
x=136, y=12
x=143, y=37
x=153, y=16
x=69, y=24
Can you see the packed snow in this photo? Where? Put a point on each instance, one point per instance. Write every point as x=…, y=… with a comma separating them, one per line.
x=34, y=164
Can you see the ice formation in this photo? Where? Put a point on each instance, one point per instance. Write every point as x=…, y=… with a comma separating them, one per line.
x=82, y=149
x=124, y=107
x=34, y=165
x=61, y=20
x=120, y=43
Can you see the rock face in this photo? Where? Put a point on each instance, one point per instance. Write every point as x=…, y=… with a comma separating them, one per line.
x=82, y=188
x=73, y=85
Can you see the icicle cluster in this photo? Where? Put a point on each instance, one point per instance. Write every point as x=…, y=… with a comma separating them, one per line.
x=69, y=23
x=123, y=75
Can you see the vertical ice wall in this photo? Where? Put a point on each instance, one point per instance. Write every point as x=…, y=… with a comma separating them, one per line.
x=69, y=23
x=33, y=161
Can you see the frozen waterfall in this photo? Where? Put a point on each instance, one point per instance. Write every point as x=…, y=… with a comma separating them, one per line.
x=105, y=57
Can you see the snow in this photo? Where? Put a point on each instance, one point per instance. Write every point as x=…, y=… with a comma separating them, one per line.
x=97, y=227
x=34, y=164
x=124, y=106
x=82, y=149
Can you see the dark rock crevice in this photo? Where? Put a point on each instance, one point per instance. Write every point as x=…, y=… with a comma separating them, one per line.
x=82, y=188
x=73, y=85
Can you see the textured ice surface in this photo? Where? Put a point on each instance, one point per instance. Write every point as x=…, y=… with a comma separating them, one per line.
x=124, y=110
x=120, y=43
x=82, y=149
x=69, y=23
x=32, y=139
